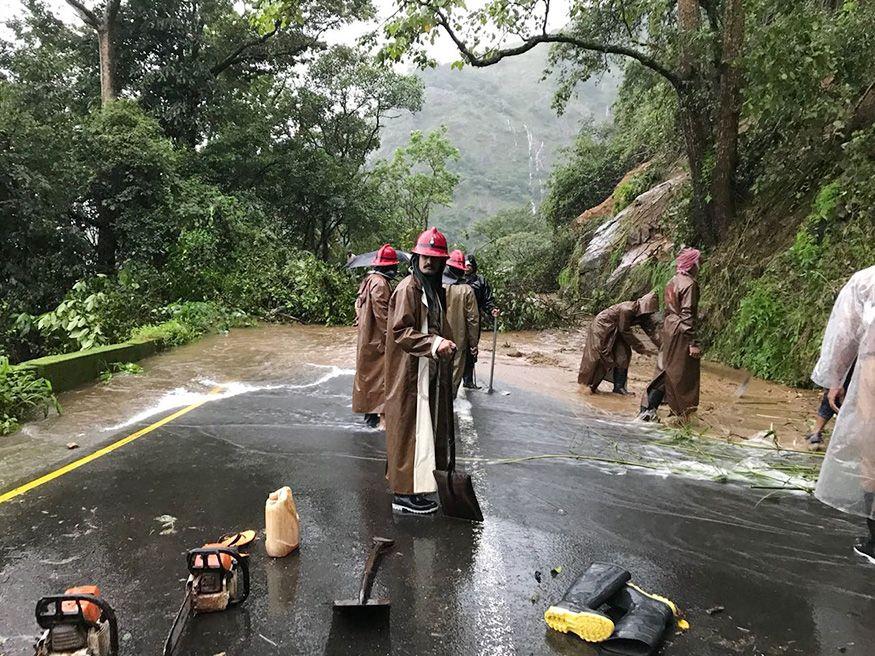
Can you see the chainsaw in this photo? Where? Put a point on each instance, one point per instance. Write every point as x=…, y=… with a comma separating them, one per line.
x=77, y=623
x=218, y=578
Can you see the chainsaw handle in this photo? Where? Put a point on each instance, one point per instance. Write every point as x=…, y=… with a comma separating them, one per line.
x=244, y=579
x=236, y=560
x=50, y=611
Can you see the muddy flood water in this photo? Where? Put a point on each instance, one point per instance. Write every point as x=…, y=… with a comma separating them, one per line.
x=283, y=356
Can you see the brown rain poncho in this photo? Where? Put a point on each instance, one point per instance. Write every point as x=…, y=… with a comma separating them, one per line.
x=419, y=422
x=610, y=340
x=848, y=472
x=371, y=310
x=464, y=320
x=676, y=371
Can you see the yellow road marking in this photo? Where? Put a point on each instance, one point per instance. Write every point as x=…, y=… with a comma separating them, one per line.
x=42, y=480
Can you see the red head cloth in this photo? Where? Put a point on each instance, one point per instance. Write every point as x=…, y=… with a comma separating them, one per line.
x=687, y=259
x=386, y=256
x=457, y=260
x=432, y=243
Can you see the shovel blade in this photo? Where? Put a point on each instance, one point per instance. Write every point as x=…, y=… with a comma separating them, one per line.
x=373, y=610
x=458, y=499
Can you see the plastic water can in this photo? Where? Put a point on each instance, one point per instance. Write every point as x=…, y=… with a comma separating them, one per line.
x=283, y=531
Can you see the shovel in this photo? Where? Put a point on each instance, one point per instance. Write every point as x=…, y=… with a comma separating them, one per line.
x=364, y=605
x=494, y=348
x=455, y=488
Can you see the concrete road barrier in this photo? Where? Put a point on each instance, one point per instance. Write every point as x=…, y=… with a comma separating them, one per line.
x=70, y=370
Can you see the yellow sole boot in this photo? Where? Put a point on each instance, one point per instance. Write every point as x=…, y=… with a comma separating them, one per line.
x=587, y=625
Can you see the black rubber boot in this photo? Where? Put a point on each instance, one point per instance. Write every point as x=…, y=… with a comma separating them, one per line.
x=578, y=611
x=621, y=377
x=372, y=420
x=644, y=620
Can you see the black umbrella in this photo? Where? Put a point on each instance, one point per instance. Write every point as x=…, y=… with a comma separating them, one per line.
x=367, y=259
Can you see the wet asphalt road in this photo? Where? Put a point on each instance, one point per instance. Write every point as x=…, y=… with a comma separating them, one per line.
x=781, y=568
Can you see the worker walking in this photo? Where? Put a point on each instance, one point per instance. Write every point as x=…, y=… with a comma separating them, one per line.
x=419, y=403
x=371, y=311
x=610, y=342
x=847, y=477
x=678, y=368
x=485, y=306
x=462, y=315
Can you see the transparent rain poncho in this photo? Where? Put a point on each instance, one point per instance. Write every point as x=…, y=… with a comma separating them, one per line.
x=847, y=479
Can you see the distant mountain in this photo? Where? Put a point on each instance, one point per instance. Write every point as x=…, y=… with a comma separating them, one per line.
x=501, y=120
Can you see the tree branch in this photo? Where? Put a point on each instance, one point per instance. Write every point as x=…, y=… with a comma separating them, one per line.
x=232, y=59
x=87, y=16
x=481, y=61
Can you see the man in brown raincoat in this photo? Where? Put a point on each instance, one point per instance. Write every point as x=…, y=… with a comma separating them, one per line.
x=677, y=371
x=371, y=311
x=419, y=397
x=610, y=341
x=463, y=315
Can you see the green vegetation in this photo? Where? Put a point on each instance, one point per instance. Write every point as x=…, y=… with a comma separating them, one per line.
x=129, y=368
x=22, y=394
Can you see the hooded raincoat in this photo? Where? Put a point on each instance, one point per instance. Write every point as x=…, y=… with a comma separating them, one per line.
x=419, y=398
x=610, y=340
x=847, y=478
x=464, y=319
x=677, y=372
x=371, y=310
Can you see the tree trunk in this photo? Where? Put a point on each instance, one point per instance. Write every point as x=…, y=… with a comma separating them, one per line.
x=694, y=124
x=106, y=45
x=695, y=131
x=104, y=24
x=728, y=109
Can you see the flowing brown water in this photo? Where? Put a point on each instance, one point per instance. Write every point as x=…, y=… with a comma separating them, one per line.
x=228, y=364
x=220, y=366
x=547, y=362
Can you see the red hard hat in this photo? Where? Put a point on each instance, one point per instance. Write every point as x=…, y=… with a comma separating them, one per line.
x=386, y=256
x=431, y=242
x=457, y=260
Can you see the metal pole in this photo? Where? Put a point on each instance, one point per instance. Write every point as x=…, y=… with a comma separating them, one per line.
x=494, y=349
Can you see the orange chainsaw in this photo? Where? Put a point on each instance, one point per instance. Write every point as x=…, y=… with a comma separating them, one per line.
x=218, y=578
x=77, y=623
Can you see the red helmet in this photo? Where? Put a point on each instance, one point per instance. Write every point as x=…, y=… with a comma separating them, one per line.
x=432, y=243
x=457, y=260
x=386, y=256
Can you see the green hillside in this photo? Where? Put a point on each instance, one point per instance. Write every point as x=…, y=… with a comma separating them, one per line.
x=502, y=121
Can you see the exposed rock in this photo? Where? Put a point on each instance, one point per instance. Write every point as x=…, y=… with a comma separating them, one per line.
x=635, y=232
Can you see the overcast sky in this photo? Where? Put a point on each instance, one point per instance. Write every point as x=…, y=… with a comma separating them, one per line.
x=443, y=50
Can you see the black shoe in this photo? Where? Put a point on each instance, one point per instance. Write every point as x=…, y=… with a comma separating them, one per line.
x=814, y=438
x=578, y=611
x=622, y=391
x=647, y=415
x=471, y=385
x=865, y=547
x=645, y=617
x=415, y=504
x=372, y=420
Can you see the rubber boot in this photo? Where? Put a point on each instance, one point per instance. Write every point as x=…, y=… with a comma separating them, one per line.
x=621, y=376
x=578, y=611
x=640, y=630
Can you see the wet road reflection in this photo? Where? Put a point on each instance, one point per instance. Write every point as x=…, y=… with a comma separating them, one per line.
x=781, y=567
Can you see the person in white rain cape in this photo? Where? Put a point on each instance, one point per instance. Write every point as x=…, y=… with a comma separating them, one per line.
x=847, y=478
